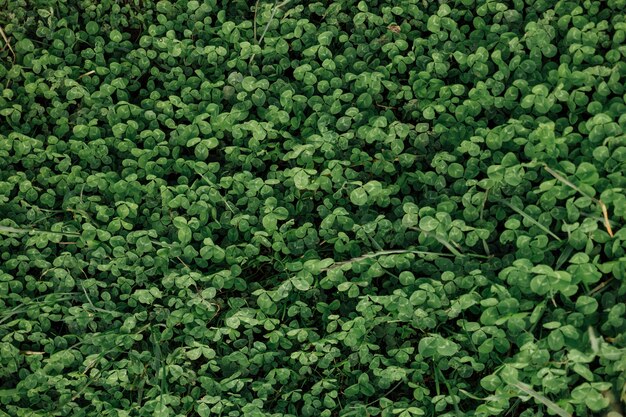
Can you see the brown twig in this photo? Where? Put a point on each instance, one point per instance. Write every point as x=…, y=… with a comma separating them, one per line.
x=31, y=353
x=87, y=74
x=600, y=286
x=6, y=41
x=605, y=213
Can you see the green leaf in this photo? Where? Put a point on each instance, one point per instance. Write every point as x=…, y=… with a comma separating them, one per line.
x=359, y=196
x=301, y=180
x=269, y=222
x=455, y=170
x=80, y=131
x=144, y=296
x=364, y=101
x=586, y=305
x=265, y=303
x=92, y=28
x=434, y=23
x=116, y=36
x=184, y=235
x=429, y=113
x=428, y=346
x=428, y=223
x=583, y=371
x=179, y=222
x=233, y=322
x=343, y=124
x=490, y=382
x=24, y=46
x=447, y=348
x=325, y=38
x=406, y=278
x=300, y=283
x=249, y=83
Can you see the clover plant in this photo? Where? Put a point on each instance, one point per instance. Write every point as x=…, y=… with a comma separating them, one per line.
x=332, y=208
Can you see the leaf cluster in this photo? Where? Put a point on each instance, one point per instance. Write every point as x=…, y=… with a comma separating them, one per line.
x=344, y=208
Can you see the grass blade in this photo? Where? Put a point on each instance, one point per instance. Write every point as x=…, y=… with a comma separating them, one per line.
x=605, y=211
x=396, y=252
x=441, y=240
x=542, y=399
x=9, y=229
x=529, y=218
x=208, y=181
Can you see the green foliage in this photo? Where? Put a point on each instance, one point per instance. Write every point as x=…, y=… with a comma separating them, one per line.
x=341, y=208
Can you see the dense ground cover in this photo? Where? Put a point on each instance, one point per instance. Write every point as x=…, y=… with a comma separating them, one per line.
x=342, y=208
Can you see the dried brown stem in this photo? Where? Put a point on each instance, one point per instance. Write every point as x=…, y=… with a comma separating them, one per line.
x=6, y=41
